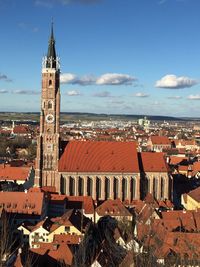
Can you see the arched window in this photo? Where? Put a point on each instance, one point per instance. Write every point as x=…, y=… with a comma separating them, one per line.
x=50, y=105
x=98, y=187
x=71, y=186
x=50, y=82
x=89, y=186
x=116, y=188
x=162, y=186
x=133, y=188
x=124, y=189
x=107, y=188
x=80, y=186
x=155, y=187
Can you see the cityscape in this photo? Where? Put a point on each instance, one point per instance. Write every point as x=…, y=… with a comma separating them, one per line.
x=100, y=169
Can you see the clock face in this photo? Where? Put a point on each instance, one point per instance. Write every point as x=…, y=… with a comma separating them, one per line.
x=49, y=118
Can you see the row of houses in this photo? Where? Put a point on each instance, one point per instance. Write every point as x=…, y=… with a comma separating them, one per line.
x=54, y=227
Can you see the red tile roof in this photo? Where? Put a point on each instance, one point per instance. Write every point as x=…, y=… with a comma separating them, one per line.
x=13, y=173
x=185, y=219
x=176, y=160
x=58, y=198
x=56, y=251
x=112, y=208
x=153, y=162
x=196, y=166
x=182, y=244
x=67, y=239
x=99, y=156
x=87, y=203
x=21, y=202
x=50, y=189
x=160, y=140
x=21, y=129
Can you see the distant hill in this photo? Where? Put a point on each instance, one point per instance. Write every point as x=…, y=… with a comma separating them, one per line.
x=76, y=116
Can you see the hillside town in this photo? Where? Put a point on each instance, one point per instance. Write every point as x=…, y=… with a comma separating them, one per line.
x=150, y=228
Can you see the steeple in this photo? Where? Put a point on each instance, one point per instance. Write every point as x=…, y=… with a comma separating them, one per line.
x=51, y=49
x=51, y=60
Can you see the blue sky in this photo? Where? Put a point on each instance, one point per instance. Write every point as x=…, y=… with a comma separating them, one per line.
x=117, y=56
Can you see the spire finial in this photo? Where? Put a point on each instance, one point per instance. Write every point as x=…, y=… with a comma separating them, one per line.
x=52, y=23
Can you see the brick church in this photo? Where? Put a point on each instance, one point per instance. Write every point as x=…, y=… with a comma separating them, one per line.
x=100, y=169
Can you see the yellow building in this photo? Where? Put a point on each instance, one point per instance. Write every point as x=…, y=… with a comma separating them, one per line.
x=71, y=223
x=191, y=200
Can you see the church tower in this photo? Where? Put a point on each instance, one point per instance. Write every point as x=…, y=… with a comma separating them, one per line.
x=48, y=140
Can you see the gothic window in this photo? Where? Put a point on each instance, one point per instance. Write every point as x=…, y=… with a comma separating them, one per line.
x=98, y=187
x=162, y=192
x=44, y=104
x=155, y=187
x=116, y=188
x=89, y=186
x=50, y=82
x=107, y=188
x=71, y=186
x=80, y=186
x=133, y=188
x=124, y=189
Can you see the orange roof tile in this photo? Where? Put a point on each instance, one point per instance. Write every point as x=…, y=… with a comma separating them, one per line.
x=196, y=166
x=154, y=162
x=21, y=129
x=160, y=140
x=113, y=208
x=87, y=203
x=56, y=251
x=176, y=160
x=51, y=189
x=67, y=239
x=13, y=173
x=99, y=156
x=21, y=202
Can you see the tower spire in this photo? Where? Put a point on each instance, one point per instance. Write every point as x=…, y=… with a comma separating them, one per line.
x=51, y=54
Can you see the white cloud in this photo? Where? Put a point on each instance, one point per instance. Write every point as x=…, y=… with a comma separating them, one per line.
x=115, y=79
x=3, y=91
x=51, y=3
x=26, y=92
x=85, y=80
x=174, y=97
x=67, y=77
x=139, y=94
x=194, y=97
x=73, y=93
x=102, y=94
x=162, y=2
x=70, y=78
x=171, y=81
x=105, y=79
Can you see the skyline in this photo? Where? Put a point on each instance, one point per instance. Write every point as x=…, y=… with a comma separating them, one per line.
x=130, y=57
